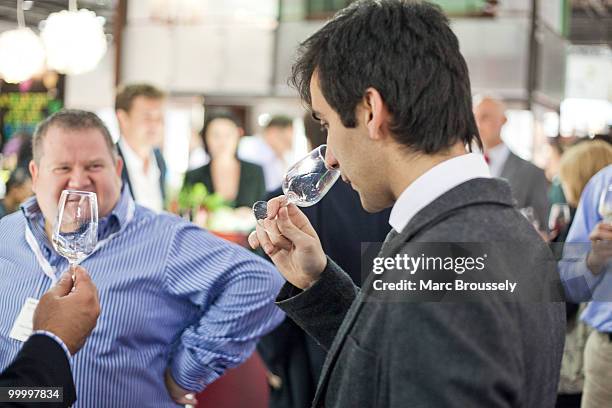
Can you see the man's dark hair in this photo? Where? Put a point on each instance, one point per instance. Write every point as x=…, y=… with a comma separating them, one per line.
x=408, y=53
x=215, y=114
x=126, y=95
x=70, y=119
x=279, y=121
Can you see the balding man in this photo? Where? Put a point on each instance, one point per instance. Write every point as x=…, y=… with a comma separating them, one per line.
x=527, y=181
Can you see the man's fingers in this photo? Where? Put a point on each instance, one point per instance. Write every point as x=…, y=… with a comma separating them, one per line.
x=299, y=219
x=598, y=235
x=602, y=231
x=83, y=280
x=264, y=241
x=253, y=241
x=63, y=286
x=288, y=229
x=277, y=239
x=274, y=205
x=605, y=226
x=188, y=399
x=85, y=288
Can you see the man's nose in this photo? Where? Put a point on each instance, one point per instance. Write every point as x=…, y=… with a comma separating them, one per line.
x=79, y=179
x=330, y=160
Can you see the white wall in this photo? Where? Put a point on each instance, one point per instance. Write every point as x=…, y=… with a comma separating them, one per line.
x=93, y=90
x=229, y=50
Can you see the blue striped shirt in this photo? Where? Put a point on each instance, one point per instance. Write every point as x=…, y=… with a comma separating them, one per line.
x=171, y=294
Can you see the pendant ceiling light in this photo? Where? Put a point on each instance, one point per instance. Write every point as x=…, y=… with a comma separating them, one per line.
x=21, y=51
x=74, y=40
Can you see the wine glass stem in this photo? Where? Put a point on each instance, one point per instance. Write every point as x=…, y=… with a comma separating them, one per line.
x=290, y=200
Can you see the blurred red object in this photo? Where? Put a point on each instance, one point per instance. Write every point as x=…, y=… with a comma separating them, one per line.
x=240, y=387
x=239, y=238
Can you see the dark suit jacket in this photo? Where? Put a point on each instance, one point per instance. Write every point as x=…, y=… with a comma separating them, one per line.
x=251, y=187
x=41, y=362
x=342, y=225
x=529, y=186
x=161, y=165
x=422, y=354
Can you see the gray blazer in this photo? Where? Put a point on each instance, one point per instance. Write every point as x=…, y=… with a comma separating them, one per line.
x=419, y=354
x=529, y=186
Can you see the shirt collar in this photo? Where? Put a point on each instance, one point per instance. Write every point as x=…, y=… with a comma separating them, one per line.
x=497, y=157
x=435, y=182
x=106, y=226
x=130, y=156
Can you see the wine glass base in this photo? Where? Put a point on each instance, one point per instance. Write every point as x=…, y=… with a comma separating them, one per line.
x=260, y=209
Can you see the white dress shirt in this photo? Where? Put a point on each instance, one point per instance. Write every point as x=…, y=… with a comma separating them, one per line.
x=497, y=158
x=145, y=184
x=435, y=182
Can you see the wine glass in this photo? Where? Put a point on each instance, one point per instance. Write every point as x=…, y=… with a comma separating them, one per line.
x=529, y=214
x=305, y=183
x=605, y=204
x=75, y=233
x=558, y=218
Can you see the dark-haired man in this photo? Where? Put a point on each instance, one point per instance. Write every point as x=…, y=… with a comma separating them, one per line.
x=388, y=82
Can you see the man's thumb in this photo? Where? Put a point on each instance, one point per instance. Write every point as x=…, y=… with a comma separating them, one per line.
x=63, y=286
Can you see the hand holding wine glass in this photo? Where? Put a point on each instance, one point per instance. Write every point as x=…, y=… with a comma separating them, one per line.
x=601, y=235
x=558, y=218
x=605, y=204
x=284, y=232
x=291, y=242
x=75, y=233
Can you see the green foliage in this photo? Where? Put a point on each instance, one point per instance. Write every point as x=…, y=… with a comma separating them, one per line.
x=197, y=196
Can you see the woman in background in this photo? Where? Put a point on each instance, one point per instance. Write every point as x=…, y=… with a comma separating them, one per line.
x=240, y=183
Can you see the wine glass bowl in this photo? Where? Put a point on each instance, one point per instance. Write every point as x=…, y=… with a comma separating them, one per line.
x=75, y=233
x=305, y=183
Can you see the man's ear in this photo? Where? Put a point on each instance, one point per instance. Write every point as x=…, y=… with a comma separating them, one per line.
x=34, y=173
x=375, y=114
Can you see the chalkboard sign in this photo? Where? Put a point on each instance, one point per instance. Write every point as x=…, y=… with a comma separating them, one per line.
x=24, y=105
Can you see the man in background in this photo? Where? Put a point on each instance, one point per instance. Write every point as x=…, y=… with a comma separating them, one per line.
x=272, y=150
x=140, y=114
x=527, y=181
